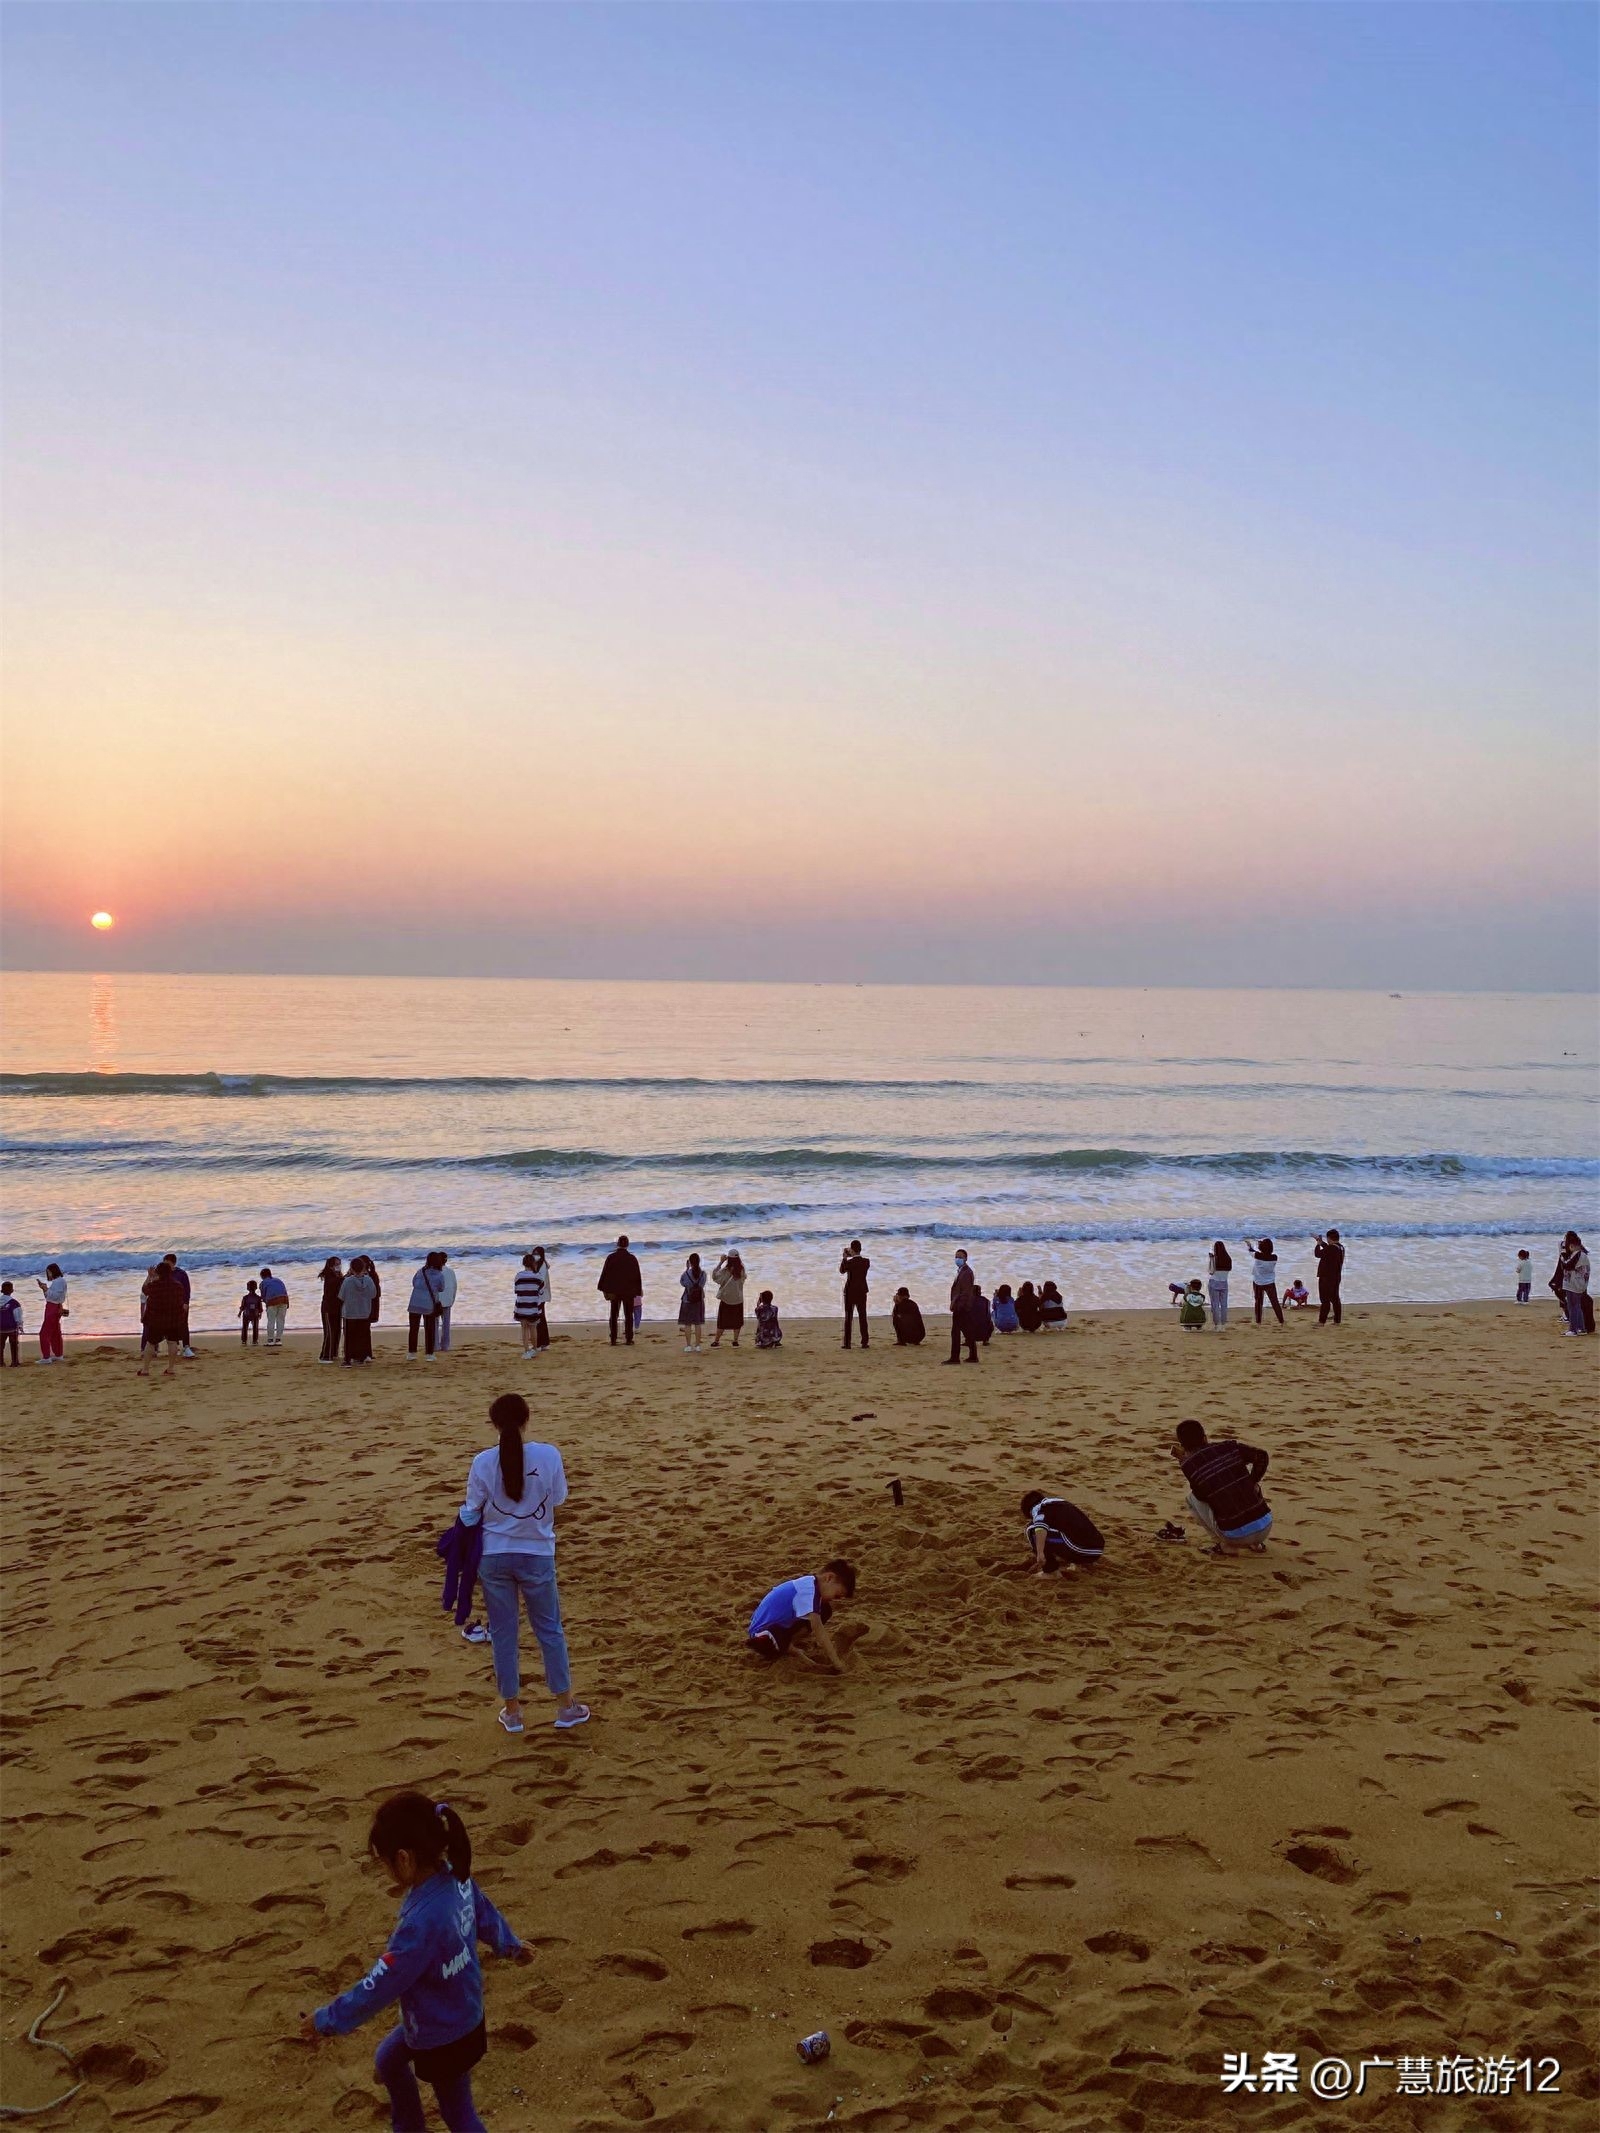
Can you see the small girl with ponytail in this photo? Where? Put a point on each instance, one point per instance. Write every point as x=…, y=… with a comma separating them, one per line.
x=430, y=1966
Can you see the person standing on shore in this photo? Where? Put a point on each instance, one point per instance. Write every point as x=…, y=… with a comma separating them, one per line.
x=1574, y=1271
x=275, y=1302
x=1219, y=1265
x=1524, y=1276
x=513, y=1491
x=53, y=1288
x=1330, y=1273
x=531, y=1303
x=854, y=1266
x=1264, y=1276
x=621, y=1284
x=963, y=1318
x=10, y=1325
x=166, y=1318
x=181, y=1276
x=358, y=1301
x=729, y=1277
x=332, y=1279
x=692, y=1310
x=422, y=1308
x=447, y=1298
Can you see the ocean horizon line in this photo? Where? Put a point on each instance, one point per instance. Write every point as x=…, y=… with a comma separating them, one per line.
x=1378, y=988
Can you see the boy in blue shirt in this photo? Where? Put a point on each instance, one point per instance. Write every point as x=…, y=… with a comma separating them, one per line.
x=801, y=1607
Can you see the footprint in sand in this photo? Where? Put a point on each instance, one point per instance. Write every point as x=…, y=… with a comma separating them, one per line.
x=1322, y=1862
x=629, y=1964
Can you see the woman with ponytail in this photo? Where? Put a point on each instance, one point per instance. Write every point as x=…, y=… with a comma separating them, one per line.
x=430, y=1965
x=513, y=1490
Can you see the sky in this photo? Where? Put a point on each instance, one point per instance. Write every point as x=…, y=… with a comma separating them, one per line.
x=1084, y=494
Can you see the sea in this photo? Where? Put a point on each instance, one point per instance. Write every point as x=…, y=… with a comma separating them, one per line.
x=1099, y=1137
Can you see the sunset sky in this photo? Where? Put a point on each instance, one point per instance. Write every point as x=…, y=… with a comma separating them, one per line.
x=1099, y=494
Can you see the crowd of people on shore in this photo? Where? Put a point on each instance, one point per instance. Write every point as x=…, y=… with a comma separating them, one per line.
x=503, y=1543
x=352, y=1295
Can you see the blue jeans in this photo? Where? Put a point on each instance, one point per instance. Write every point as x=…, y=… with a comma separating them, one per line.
x=454, y=2097
x=532, y=1577
x=1572, y=1304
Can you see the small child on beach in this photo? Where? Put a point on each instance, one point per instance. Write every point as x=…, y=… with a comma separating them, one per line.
x=800, y=1607
x=1524, y=1278
x=1060, y=1536
x=430, y=1965
x=10, y=1324
x=250, y=1309
x=769, y=1334
x=1192, y=1307
x=1297, y=1296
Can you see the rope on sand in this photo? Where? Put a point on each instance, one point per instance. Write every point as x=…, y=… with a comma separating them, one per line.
x=35, y=2110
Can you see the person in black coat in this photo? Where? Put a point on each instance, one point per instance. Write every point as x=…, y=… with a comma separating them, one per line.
x=1330, y=1273
x=963, y=1315
x=853, y=1266
x=621, y=1284
x=906, y=1317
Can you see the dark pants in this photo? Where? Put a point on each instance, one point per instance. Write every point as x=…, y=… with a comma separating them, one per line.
x=1330, y=1301
x=856, y=1305
x=9, y=1340
x=358, y=1340
x=429, y=1322
x=332, y=1324
x=963, y=1329
x=249, y=1330
x=1270, y=1292
x=624, y=1305
x=453, y=2095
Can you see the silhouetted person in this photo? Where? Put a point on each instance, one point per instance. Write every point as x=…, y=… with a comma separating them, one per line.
x=853, y=1266
x=1330, y=1273
x=621, y=1284
x=963, y=1314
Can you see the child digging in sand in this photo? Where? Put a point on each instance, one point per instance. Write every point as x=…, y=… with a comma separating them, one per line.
x=1060, y=1536
x=430, y=1965
x=800, y=1608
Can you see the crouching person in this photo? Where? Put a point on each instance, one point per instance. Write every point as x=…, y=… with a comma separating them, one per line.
x=1060, y=1536
x=1224, y=1481
x=798, y=1611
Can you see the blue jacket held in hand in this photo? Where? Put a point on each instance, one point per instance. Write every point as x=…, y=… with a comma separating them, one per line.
x=430, y=1966
x=462, y=1551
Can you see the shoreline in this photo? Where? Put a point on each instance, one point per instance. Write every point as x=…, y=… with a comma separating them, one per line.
x=389, y=1333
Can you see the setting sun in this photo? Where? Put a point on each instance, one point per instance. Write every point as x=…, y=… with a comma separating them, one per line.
x=102, y=920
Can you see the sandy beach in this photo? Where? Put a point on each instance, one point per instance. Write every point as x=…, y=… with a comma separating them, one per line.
x=1044, y=1854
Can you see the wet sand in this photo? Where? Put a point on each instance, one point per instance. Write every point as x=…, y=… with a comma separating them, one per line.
x=1044, y=1853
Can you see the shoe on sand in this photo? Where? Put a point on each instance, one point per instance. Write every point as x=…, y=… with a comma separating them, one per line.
x=511, y=1725
x=575, y=1714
